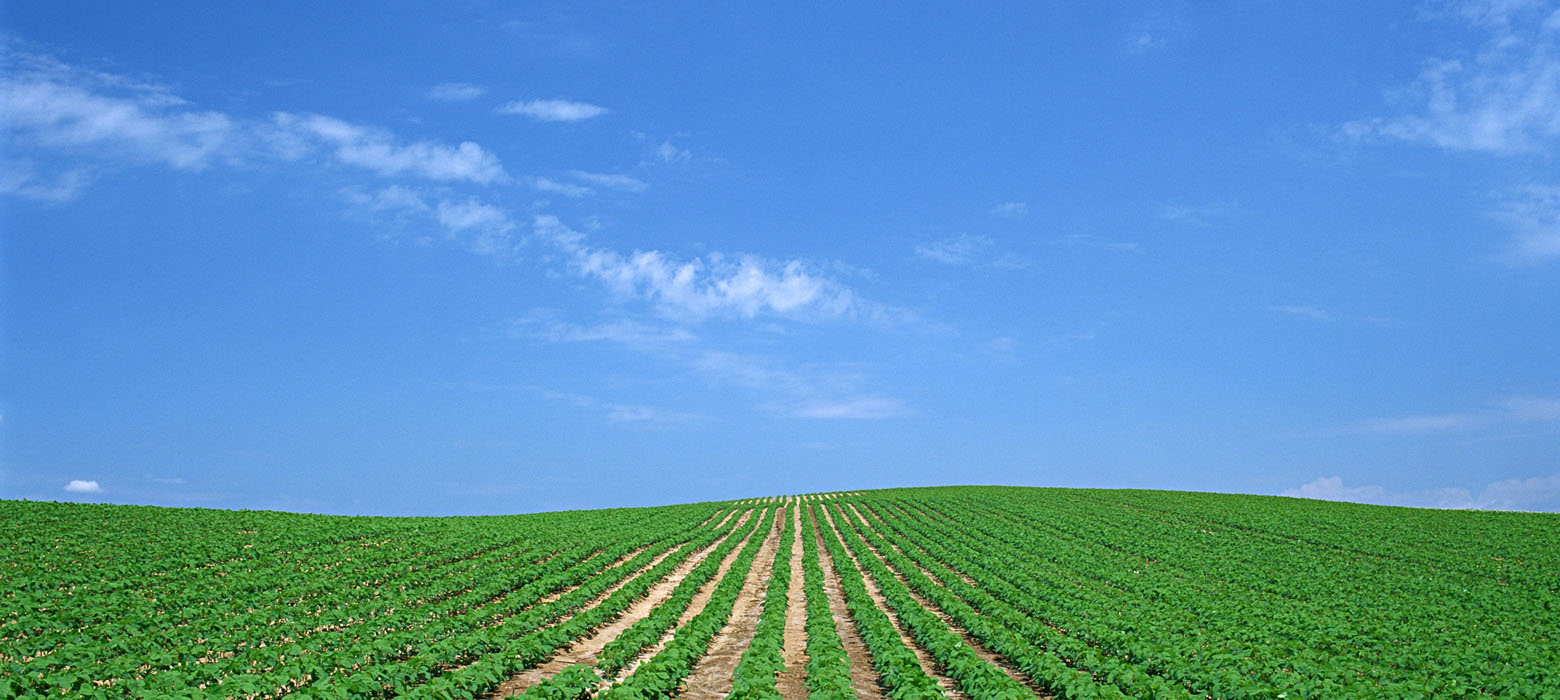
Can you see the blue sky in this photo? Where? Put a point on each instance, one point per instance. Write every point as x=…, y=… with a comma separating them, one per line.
x=499, y=257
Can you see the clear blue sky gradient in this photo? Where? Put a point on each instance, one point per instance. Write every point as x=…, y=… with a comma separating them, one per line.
x=477, y=257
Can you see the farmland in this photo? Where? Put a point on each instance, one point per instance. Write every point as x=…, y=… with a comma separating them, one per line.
x=955, y=592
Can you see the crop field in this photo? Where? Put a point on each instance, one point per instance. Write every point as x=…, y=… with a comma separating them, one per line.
x=955, y=592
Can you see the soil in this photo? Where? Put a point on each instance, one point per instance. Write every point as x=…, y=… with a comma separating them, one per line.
x=863, y=676
x=792, y=681
x=980, y=649
x=712, y=675
x=585, y=650
x=929, y=665
x=695, y=606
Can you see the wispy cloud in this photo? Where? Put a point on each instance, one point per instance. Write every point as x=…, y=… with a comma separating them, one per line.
x=1010, y=210
x=741, y=286
x=1533, y=212
x=472, y=214
x=1087, y=240
x=83, y=486
x=455, y=92
x=626, y=413
x=1509, y=411
x=394, y=198
x=1503, y=98
x=375, y=149
x=1305, y=311
x=1540, y=493
x=610, y=181
x=564, y=188
x=481, y=227
x=798, y=392
x=21, y=178
x=1152, y=32
x=860, y=408
x=669, y=152
x=1195, y=215
x=93, y=117
x=782, y=388
x=637, y=335
x=968, y=250
x=554, y=110
x=53, y=105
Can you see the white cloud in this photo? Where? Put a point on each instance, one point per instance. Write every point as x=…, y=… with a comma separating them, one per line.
x=1195, y=215
x=1540, y=493
x=808, y=391
x=49, y=104
x=1087, y=240
x=1144, y=42
x=470, y=214
x=1011, y=210
x=375, y=149
x=859, y=408
x=626, y=332
x=969, y=251
x=610, y=181
x=94, y=116
x=957, y=250
x=1509, y=411
x=626, y=413
x=554, y=110
x=1305, y=311
x=1503, y=99
x=480, y=227
x=81, y=486
x=20, y=179
x=671, y=153
x=563, y=188
x=1534, y=213
x=715, y=285
x=394, y=198
x=1152, y=32
x=455, y=92
x=483, y=228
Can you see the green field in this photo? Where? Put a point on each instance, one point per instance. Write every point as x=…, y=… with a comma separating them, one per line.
x=962, y=592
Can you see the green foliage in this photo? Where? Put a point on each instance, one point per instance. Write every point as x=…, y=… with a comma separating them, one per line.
x=1076, y=594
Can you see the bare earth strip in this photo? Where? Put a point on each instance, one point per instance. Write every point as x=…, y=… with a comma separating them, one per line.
x=584, y=651
x=980, y=649
x=792, y=682
x=711, y=677
x=950, y=688
x=695, y=606
x=869, y=686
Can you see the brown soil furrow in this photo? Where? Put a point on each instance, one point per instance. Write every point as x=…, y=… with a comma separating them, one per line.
x=555, y=595
x=792, y=681
x=980, y=649
x=928, y=664
x=711, y=676
x=585, y=650
x=863, y=675
x=695, y=606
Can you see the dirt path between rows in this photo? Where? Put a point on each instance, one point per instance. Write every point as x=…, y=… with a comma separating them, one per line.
x=712, y=675
x=928, y=664
x=695, y=606
x=584, y=651
x=792, y=681
x=863, y=676
x=980, y=649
